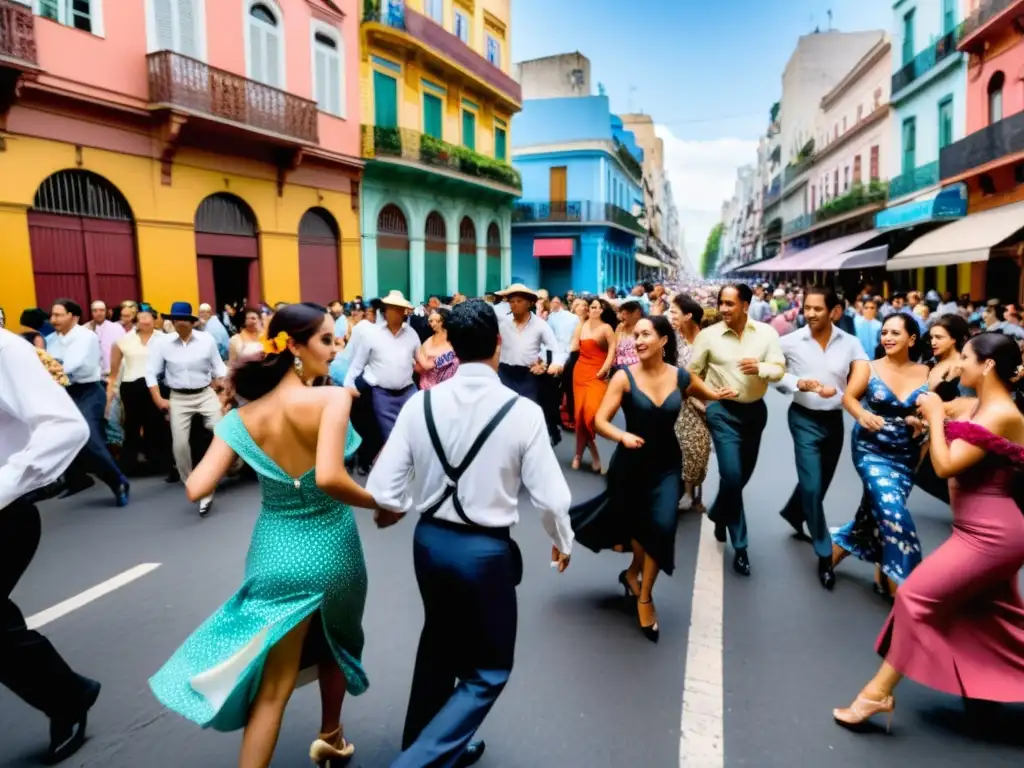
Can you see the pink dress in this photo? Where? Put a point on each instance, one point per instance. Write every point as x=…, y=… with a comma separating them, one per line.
x=445, y=366
x=957, y=624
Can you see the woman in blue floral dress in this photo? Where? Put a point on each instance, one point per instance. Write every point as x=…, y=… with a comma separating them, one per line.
x=301, y=601
x=880, y=396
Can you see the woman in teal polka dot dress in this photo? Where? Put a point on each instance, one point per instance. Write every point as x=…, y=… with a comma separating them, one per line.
x=301, y=602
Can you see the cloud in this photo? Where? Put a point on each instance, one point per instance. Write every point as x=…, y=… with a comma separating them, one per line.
x=703, y=175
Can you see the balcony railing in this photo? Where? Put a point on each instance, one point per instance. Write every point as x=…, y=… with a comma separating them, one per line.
x=631, y=163
x=17, y=34
x=394, y=14
x=911, y=181
x=184, y=83
x=798, y=224
x=982, y=147
x=575, y=212
x=792, y=172
x=928, y=59
x=772, y=194
x=986, y=11
x=413, y=146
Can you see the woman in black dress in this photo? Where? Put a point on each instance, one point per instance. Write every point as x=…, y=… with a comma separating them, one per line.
x=637, y=512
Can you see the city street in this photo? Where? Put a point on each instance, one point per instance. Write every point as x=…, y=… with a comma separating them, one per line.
x=766, y=660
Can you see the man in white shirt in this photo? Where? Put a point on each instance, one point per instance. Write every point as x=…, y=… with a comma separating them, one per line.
x=41, y=431
x=522, y=336
x=108, y=333
x=819, y=357
x=380, y=377
x=78, y=351
x=563, y=325
x=467, y=564
x=191, y=367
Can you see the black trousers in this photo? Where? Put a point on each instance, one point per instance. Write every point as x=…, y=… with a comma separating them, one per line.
x=364, y=421
x=467, y=580
x=29, y=665
x=94, y=458
x=145, y=429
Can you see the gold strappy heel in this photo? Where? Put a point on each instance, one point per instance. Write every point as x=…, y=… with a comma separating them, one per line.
x=331, y=750
x=863, y=709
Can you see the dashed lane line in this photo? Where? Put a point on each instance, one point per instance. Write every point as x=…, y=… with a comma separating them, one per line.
x=82, y=599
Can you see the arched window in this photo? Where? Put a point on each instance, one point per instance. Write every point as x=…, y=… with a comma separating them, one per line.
x=265, y=43
x=328, y=68
x=225, y=214
x=177, y=25
x=995, y=97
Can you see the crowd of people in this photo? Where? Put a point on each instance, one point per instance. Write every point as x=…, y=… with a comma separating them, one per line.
x=449, y=408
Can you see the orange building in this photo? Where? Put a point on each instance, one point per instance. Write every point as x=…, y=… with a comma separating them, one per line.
x=989, y=160
x=196, y=150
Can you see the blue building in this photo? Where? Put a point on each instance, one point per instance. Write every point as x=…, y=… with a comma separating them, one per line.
x=576, y=225
x=929, y=94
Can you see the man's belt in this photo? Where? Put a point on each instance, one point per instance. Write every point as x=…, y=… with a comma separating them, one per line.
x=190, y=391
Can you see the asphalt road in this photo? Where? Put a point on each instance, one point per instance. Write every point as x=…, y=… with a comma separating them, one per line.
x=587, y=690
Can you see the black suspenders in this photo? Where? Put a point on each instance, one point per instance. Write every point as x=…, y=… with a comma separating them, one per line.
x=454, y=474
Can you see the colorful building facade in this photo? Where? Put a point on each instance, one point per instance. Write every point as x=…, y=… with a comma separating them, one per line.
x=209, y=152
x=437, y=103
x=576, y=226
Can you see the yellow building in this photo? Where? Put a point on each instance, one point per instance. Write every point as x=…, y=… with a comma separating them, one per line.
x=153, y=175
x=437, y=107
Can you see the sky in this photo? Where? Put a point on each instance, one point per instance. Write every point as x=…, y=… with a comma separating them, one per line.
x=707, y=72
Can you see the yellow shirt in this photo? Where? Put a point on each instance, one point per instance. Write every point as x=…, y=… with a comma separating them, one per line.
x=717, y=352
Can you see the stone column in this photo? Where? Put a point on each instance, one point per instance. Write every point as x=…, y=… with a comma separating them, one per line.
x=417, y=270
x=506, y=265
x=481, y=268
x=370, y=287
x=452, y=266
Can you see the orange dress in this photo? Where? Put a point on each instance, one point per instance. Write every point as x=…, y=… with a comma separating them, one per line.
x=588, y=390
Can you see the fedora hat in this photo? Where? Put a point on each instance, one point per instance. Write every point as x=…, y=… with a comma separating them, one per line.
x=518, y=289
x=180, y=310
x=396, y=299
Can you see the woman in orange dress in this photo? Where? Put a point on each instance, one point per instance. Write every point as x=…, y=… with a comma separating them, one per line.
x=595, y=341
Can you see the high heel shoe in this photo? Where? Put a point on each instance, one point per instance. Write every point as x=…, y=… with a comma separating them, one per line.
x=331, y=750
x=651, y=632
x=863, y=709
x=576, y=463
x=624, y=581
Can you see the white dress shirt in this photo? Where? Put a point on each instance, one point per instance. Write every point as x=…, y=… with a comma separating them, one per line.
x=805, y=359
x=408, y=476
x=383, y=358
x=41, y=428
x=502, y=310
x=522, y=347
x=135, y=355
x=191, y=365
x=78, y=351
x=358, y=336
x=563, y=324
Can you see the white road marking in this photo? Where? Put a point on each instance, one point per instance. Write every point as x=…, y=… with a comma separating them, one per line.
x=43, y=618
x=701, y=732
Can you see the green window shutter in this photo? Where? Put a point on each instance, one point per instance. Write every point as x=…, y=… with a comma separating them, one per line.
x=468, y=130
x=909, y=141
x=432, y=122
x=945, y=122
x=385, y=101
x=908, y=38
x=500, y=144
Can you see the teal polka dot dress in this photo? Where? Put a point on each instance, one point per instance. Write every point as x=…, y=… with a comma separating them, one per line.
x=305, y=558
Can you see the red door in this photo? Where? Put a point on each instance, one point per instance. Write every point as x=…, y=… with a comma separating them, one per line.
x=207, y=286
x=83, y=259
x=318, y=272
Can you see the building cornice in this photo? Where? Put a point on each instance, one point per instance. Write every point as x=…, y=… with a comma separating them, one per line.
x=868, y=60
x=836, y=144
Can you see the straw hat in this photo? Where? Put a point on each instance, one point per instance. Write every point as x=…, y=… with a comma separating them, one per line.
x=396, y=299
x=518, y=289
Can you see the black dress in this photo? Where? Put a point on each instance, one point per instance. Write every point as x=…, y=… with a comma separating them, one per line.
x=644, y=485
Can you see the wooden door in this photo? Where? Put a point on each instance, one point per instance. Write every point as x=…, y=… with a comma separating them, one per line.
x=559, y=185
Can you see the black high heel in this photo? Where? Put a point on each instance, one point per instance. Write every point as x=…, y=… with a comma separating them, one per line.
x=624, y=581
x=651, y=632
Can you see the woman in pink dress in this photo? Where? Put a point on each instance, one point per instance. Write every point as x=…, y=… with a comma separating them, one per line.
x=436, y=361
x=957, y=624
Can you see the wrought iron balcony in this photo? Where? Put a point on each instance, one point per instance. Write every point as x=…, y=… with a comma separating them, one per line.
x=986, y=12
x=395, y=15
x=982, y=147
x=575, y=212
x=632, y=164
x=772, y=194
x=417, y=148
x=182, y=83
x=798, y=224
x=794, y=171
x=913, y=180
x=17, y=36
x=928, y=59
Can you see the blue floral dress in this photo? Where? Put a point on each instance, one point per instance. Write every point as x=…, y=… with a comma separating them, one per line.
x=885, y=461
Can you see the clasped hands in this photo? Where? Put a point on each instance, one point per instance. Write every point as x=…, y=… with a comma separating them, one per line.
x=813, y=385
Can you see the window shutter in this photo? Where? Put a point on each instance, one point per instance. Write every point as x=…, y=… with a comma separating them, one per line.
x=188, y=37
x=333, y=83
x=256, y=55
x=273, y=53
x=163, y=20
x=322, y=93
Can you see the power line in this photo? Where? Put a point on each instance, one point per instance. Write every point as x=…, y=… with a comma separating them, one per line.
x=710, y=119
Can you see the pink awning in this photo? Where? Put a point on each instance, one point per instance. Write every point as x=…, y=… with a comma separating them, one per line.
x=865, y=258
x=553, y=247
x=816, y=256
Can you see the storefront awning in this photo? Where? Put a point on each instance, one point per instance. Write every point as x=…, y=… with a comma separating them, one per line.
x=866, y=258
x=966, y=240
x=553, y=247
x=648, y=261
x=814, y=257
